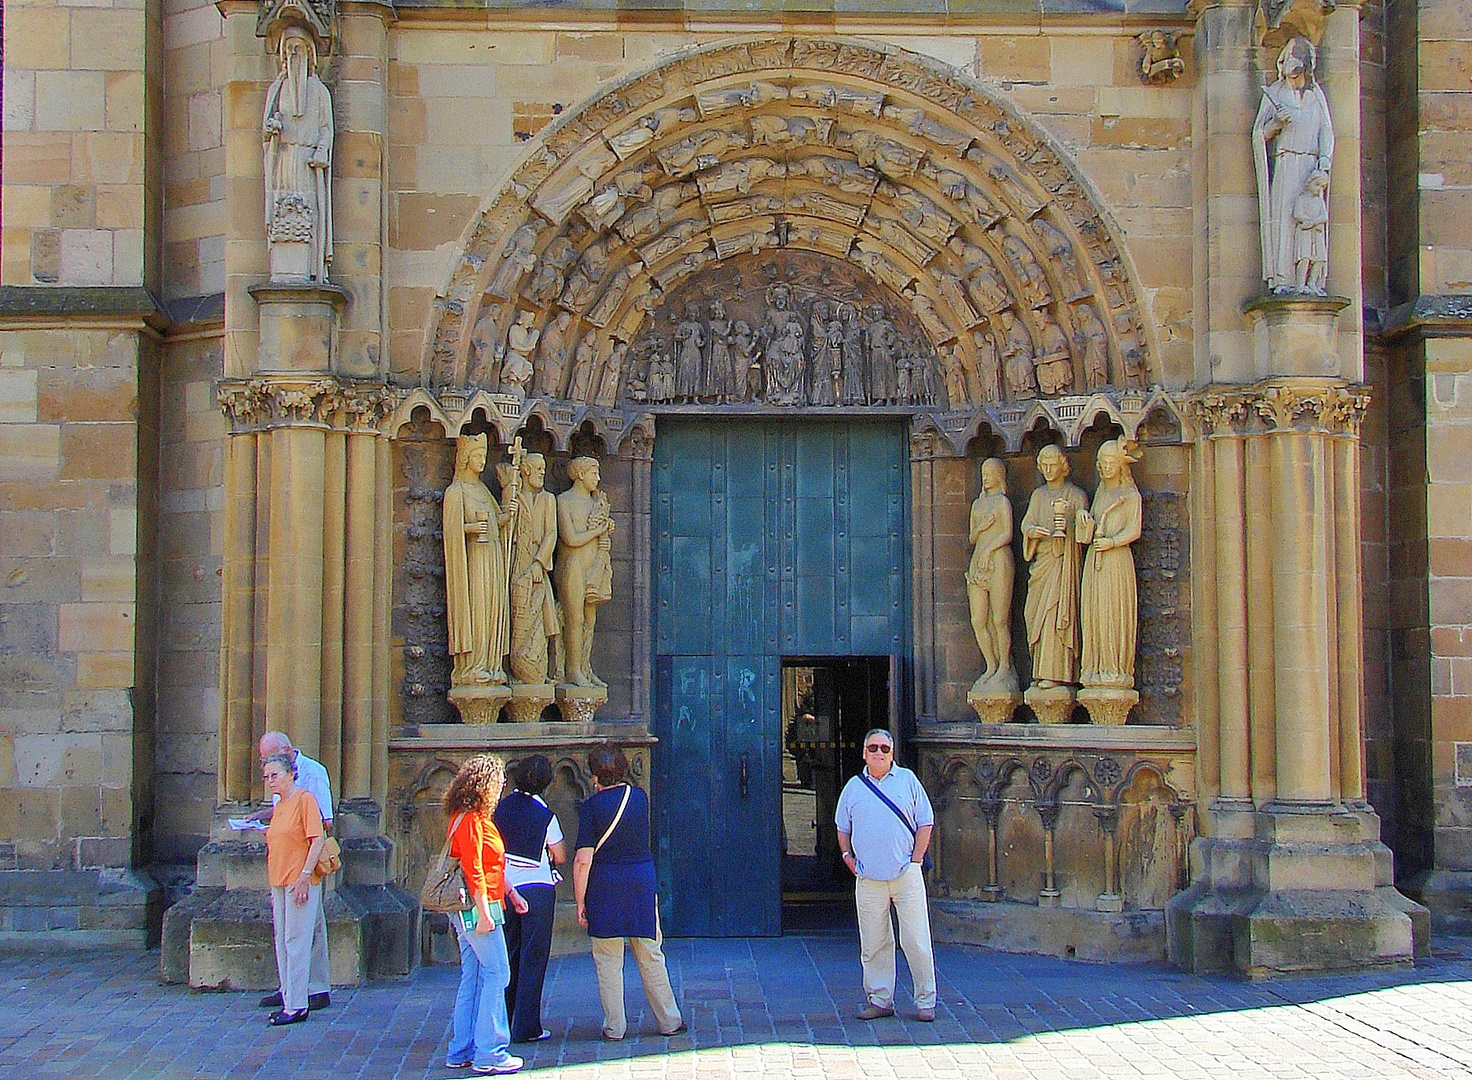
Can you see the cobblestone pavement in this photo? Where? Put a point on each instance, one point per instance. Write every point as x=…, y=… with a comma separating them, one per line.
x=767, y=1008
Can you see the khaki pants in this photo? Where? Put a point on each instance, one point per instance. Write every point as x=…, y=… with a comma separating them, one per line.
x=876, y=939
x=608, y=961
x=294, y=924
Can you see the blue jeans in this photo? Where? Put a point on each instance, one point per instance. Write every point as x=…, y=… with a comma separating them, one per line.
x=482, y=1032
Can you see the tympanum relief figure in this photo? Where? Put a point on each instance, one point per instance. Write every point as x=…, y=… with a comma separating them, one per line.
x=297, y=132
x=1293, y=150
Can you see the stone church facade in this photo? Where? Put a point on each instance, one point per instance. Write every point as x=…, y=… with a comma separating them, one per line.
x=816, y=291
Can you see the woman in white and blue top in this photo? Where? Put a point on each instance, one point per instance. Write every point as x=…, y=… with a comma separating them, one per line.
x=533, y=845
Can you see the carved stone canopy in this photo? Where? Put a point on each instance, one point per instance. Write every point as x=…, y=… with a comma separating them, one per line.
x=871, y=156
x=319, y=15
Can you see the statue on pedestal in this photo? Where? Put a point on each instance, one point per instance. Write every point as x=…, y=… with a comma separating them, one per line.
x=1050, y=542
x=297, y=132
x=1109, y=609
x=584, y=567
x=1293, y=146
x=990, y=577
x=533, y=610
x=475, y=569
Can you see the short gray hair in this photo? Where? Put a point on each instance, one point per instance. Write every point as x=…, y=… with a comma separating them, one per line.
x=284, y=760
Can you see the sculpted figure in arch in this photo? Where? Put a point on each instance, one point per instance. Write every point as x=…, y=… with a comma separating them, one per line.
x=584, y=566
x=1292, y=145
x=521, y=342
x=990, y=578
x=1109, y=610
x=533, y=610
x=475, y=569
x=1050, y=543
x=297, y=132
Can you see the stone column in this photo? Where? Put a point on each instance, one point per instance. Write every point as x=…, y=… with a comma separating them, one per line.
x=640, y=449
x=1289, y=873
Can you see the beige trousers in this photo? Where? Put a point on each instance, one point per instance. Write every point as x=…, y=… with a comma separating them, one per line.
x=294, y=924
x=873, y=899
x=608, y=961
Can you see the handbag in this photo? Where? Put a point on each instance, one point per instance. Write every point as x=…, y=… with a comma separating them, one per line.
x=330, y=861
x=927, y=864
x=444, y=884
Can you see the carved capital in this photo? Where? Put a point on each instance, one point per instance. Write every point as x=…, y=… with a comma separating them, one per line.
x=244, y=403
x=364, y=406
x=1221, y=413
x=1334, y=409
x=255, y=404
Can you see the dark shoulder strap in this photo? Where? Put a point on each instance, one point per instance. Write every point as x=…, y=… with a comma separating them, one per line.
x=885, y=800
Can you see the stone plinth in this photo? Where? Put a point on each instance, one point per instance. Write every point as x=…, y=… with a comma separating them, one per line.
x=298, y=326
x=1108, y=707
x=93, y=909
x=993, y=706
x=1295, y=334
x=1051, y=704
x=479, y=704
x=528, y=701
x=579, y=703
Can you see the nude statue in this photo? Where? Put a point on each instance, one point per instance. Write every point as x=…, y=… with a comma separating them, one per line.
x=584, y=567
x=989, y=579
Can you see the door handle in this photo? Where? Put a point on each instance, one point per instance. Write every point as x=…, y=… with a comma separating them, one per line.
x=745, y=775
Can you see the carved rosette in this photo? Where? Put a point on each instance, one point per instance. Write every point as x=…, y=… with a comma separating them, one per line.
x=868, y=155
x=1325, y=408
x=284, y=401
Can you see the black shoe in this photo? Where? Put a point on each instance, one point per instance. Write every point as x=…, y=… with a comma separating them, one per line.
x=272, y=1001
x=319, y=1001
x=545, y=1035
x=282, y=1018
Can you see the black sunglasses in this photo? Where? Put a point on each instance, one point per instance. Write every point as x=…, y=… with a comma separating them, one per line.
x=878, y=748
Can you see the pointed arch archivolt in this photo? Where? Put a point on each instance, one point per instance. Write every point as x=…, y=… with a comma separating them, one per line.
x=870, y=155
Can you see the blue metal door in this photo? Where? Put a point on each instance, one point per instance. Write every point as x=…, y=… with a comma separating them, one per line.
x=772, y=538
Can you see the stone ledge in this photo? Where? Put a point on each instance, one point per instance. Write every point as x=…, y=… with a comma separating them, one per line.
x=1059, y=736
x=1430, y=315
x=1070, y=933
x=513, y=736
x=59, y=301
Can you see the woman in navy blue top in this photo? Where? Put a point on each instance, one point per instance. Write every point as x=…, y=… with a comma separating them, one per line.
x=613, y=880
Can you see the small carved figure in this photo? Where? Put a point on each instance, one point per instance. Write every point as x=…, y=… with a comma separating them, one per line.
x=534, y=619
x=1161, y=60
x=954, y=290
x=1014, y=190
x=297, y=132
x=957, y=395
x=485, y=346
x=1054, y=364
x=656, y=125
x=748, y=386
x=614, y=294
x=520, y=257
x=881, y=337
x=1311, y=236
x=521, y=343
x=476, y=606
x=689, y=367
x=552, y=359
x=1035, y=289
x=1061, y=255
x=923, y=308
x=1017, y=355
x=584, y=576
x=986, y=285
x=584, y=367
x=613, y=365
x=1292, y=139
x=547, y=281
x=956, y=187
x=1050, y=543
x=984, y=379
x=1091, y=339
x=1109, y=612
x=582, y=283
x=855, y=354
x=990, y=577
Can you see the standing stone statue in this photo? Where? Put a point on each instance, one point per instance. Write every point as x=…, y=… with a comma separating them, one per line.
x=689, y=364
x=533, y=609
x=1050, y=543
x=584, y=567
x=989, y=583
x=297, y=131
x=475, y=570
x=881, y=337
x=1292, y=144
x=720, y=367
x=1109, y=610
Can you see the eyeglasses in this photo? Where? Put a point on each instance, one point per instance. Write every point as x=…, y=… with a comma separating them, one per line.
x=878, y=748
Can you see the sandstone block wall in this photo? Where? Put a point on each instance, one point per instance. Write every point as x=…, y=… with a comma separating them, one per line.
x=76, y=661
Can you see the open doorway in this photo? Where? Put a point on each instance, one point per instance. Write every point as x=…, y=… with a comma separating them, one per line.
x=828, y=703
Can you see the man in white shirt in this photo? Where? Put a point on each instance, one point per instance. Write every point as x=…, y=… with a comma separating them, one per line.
x=884, y=846
x=312, y=776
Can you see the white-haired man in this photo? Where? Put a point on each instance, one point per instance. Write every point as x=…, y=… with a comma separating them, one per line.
x=312, y=777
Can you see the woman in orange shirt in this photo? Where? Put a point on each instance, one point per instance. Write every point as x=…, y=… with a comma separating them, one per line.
x=482, y=1032
x=294, y=842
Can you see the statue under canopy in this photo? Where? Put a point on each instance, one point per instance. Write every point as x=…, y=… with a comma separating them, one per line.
x=584, y=567
x=1109, y=609
x=475, y=533
x=1050, y=542
x=297, y=132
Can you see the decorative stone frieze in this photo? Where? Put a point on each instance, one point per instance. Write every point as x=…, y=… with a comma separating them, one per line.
x=1330, y=408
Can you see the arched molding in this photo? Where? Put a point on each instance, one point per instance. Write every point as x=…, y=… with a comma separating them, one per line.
x=854, y=151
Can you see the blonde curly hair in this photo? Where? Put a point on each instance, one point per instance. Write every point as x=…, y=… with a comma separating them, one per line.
x=474, y=789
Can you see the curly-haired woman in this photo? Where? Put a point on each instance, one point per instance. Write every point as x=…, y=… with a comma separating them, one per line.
x=482, y=1033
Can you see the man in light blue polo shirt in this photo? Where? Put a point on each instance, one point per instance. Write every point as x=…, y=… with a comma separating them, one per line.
x=884, y=853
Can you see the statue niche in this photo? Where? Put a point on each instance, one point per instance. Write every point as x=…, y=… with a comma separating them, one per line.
x=296, y=130
x=799, y=329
